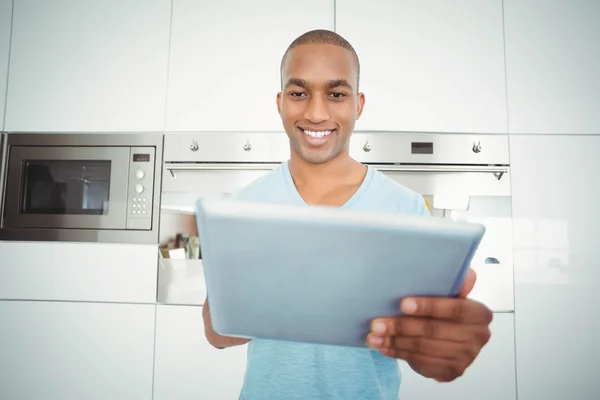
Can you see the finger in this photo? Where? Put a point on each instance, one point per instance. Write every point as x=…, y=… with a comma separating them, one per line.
x=430, y=328
x=458, y=310
x=441, y=369
x=468, y=284
x=429, y=347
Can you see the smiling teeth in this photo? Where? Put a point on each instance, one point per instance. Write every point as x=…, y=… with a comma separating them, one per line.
x=318, y=134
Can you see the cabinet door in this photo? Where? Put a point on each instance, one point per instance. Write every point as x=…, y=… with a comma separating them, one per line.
x=88, y=65
x=552, y=64
x=433, y=66
x=557, y=265
x=92, y=351
x=224, y=62
x=491, y=376
x=67, y=271
x=187, y=366
x=5, y=21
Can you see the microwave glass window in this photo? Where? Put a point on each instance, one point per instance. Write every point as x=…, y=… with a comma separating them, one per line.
x=76, y=187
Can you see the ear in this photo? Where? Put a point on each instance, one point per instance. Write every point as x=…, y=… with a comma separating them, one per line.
x=360, y=103
x=279, y=103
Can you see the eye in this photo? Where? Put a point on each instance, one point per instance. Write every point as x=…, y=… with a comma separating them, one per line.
x=338, y=95
x=297, y=95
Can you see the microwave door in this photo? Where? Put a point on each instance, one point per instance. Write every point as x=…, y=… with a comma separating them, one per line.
x=473, y=195
x=3, y=161
x=67, y=187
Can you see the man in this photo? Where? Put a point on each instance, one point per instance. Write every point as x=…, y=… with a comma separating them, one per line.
x=439, y=338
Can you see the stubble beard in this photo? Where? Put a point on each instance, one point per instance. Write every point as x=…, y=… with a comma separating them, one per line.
x=317, y=156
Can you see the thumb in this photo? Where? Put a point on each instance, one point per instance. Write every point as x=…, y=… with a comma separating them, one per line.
x=468, y=284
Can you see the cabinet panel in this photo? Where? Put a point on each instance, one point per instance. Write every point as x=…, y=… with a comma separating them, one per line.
x=5, y=22
x=59, y=351
x=88, y=66
x=108, y=272
x=491, y=376
x=224, y=63
x=187, y=366
x=433, y=66
x=557, y=260
x=552, y=64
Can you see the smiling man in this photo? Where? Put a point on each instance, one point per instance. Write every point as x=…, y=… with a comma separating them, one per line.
x=319, y=104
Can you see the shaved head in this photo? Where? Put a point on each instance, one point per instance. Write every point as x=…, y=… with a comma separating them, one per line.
x=323, y=36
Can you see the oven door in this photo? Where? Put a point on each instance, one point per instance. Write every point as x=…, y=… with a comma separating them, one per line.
x=475, y=194
x=66, y=187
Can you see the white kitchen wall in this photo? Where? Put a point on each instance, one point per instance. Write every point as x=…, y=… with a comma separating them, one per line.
x=88, y=66
x=68, y=351
x=557, y=265
x=552, y=64
x=428, y=66
x=224, y=61
x=186, y=65
x=5, y=25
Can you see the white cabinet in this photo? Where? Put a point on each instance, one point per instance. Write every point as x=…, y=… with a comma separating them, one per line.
x=99, y=272
x=60, y=351
x=491, y=376
x=88, y=65
x=433, y=66
x=187, y=366
x=225, y=58
x=552, y=64
x=5, y=21
x=557, y=265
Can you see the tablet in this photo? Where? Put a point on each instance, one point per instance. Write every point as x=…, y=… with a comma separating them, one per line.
x=318, y=274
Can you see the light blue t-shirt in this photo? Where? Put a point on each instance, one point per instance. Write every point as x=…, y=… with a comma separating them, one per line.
x=279, y=370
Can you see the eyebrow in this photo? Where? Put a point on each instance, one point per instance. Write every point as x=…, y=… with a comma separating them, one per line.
x=337, y=83
x=329, y=84
x=297, y=82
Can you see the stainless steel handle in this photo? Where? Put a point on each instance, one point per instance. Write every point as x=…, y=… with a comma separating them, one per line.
x=441, y=168
x=173, y=168
x=3, y=163
x=498, y=171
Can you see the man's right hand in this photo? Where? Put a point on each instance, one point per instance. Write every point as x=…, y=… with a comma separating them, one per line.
x=216, y=340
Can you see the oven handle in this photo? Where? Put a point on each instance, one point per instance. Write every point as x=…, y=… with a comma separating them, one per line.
x=173, y=168
x=498, y=171
x=442, y=168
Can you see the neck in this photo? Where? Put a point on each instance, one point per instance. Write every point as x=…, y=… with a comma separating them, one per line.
x=338, y=169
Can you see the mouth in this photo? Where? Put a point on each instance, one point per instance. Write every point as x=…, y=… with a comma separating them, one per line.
x=316, y=138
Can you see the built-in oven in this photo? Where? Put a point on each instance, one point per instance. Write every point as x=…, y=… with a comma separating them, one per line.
x=82, y=187
x=462, y=177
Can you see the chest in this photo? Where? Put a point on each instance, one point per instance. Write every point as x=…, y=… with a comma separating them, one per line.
x=335, y=196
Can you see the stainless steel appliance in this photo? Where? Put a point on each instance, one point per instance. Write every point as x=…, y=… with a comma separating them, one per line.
x=82, y=187
x=460, y=176
x=2, y=167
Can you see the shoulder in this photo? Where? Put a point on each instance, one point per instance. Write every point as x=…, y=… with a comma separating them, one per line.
x=396, y=197
x=268, y=184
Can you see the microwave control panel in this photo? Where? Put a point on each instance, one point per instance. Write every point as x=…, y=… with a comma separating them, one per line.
x=141, y=188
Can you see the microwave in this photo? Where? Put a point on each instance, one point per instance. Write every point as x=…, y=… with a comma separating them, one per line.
x=81, y=187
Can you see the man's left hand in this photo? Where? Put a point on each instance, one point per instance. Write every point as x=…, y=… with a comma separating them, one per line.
x=438, y=337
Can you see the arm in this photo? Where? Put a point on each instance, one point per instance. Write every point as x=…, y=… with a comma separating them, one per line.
x=218, y=341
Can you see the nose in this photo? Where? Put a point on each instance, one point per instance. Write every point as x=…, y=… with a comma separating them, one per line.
x=317, y=110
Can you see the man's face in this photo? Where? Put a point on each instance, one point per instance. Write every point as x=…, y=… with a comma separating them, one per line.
x=319, y=103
